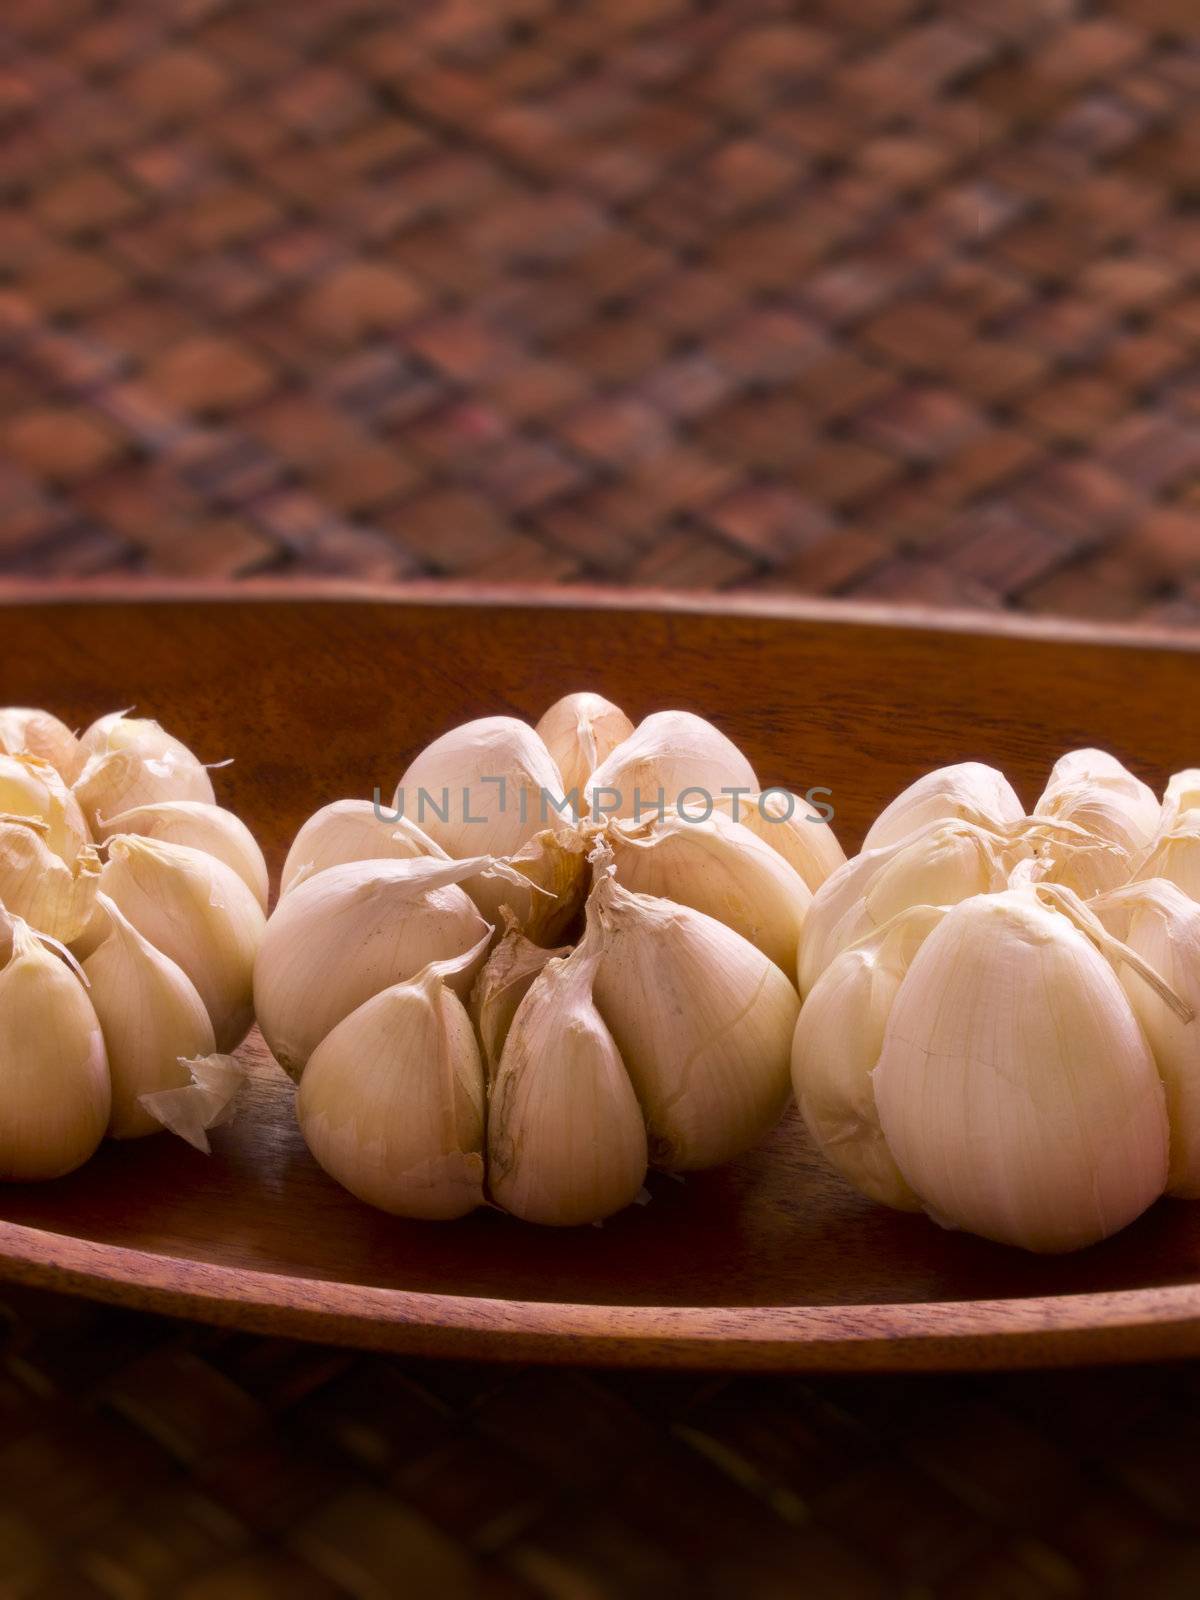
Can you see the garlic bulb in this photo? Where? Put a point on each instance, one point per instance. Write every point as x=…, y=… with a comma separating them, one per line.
x=339, y=938
x=566, y=1140
x=721, y=868
x=943, y=863
x=1120, y=814
x=1015, y=1089
x=503, y=983
x=31, y=788
x=200, y=914
x=391, y=1103
x=836, y=1047
x=580, y=731
x=54, y=896
x=788, y=824
x=150, y=1015
x=352, y=830
x=54, y=1087
x=1162, y=924
x=130, y=761
x=24, y=730
x=702, y=1019
x=483, y=789
x=966, y=792
x=672, y=758
x=204, y=827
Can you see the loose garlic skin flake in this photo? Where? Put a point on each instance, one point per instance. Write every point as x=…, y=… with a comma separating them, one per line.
x=1015, y=1088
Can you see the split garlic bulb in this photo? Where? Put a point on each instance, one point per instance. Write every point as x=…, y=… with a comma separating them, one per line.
x=581, y=731
x=54, y=1085
x=353, y=830
x=37, y=733
x=167, y=927
x=967, y=792
x=131, y=761
x=664, y=1034
x=672, y=758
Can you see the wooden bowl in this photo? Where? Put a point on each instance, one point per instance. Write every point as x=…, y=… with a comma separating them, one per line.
x=772, y=1262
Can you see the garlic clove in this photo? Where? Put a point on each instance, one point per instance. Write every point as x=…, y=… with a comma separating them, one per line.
x=968, y=791
x=788, y=824
x=32, y=788
x=352, y=830
x=204, y=827
x=836, y=1047
x=150, y=1015
x=54, y=1086
x=200, y=914
x=721, y=868
x=484, y=788
x=391, y=1103
x=580, y=731
x=1091, y=789
x=24, y=730
x=339, y=938
x=1175, y=857
x=703, y=1022
x=943, y=863
x=1015, y=1088
x=503, y=983
x=669, y=758
x=566, y=1139
x=1161, y=924
x=53, y=896
x=130, y=761
x=1182, y=795
x=545, y=890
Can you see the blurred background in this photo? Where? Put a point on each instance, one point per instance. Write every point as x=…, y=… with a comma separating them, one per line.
x=891, y=299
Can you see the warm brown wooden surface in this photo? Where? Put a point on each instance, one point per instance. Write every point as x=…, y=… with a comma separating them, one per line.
x=772, y=1262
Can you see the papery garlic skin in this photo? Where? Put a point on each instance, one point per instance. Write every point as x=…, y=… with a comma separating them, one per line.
x=550, y=888
x=503, y=982
x=32, y=788
x=566, y=1139
x=25, y=729
x=352, y=830
x=580, y=731
x=495, y=781
x=339, y=938
x=200, y=914
x=150, y=1014
x=391, y=1103
x=131, y=761
x=55, y=897
x=1162, y=924
x=789, y=825
x=721, y=868
x=836, y=1048
x=54, y=1085
x=1015, y=1088
x=672, y=752
x=703, y=1022
x=969, y=791
x=210, y=828
x=943, y=863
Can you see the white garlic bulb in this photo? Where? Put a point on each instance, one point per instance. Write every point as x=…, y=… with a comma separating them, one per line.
x=353, y=830
x=204, y=827
x=791, y=827
x=483, y=789
x=391, y=1103
x=54, y=1086
x=24, y=730
x=581, y=731
x=719, y=867
x=131, y=761
x=966, y=792
x=566, y=1140
x=671, y=759
x=151, y=1017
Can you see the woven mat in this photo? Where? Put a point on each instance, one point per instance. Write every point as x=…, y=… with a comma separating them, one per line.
x=887, y=298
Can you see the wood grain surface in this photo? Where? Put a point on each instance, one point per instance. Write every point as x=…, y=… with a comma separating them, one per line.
x=771, y=1262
